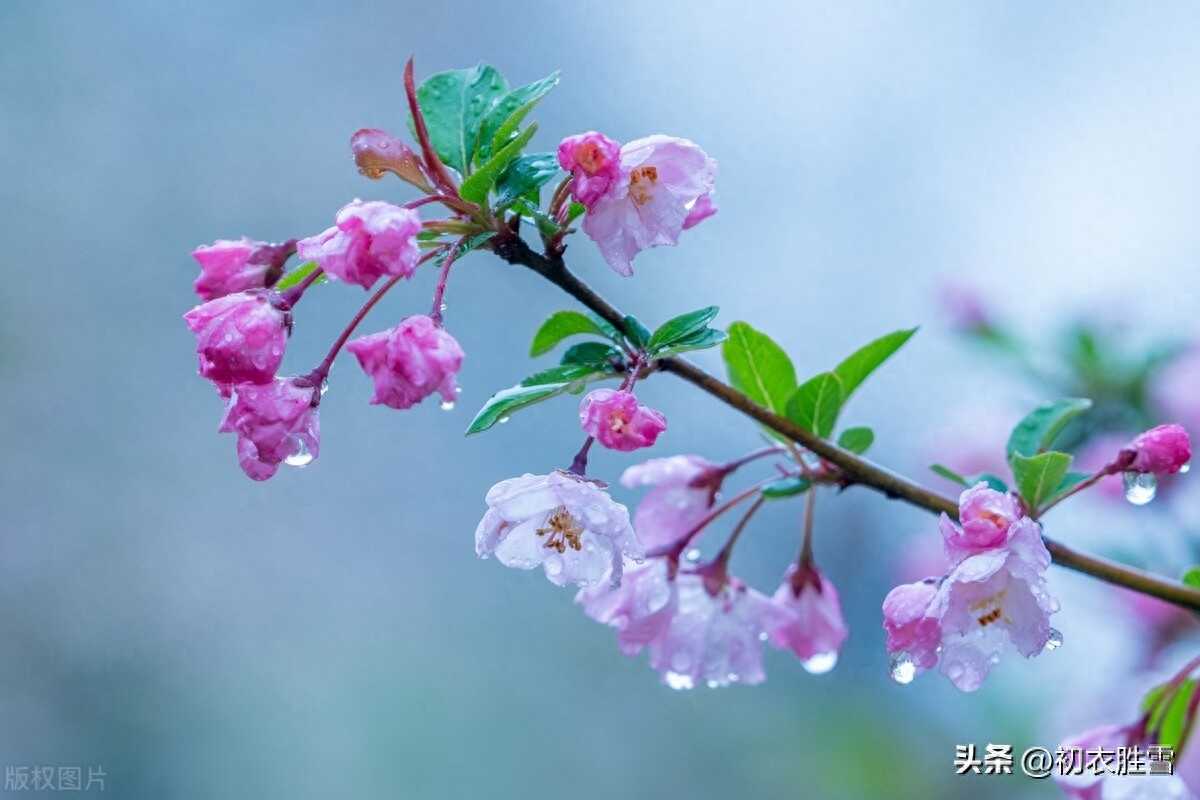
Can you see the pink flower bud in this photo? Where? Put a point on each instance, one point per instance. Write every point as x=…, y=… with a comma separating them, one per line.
x=410, y=362
x=811, y=623
x=1161, y=450
x=594, y=162
x=986, y=515
x=369, y=240
x=241, y=337
x=227, y=267
x=619, y=421
x=376, y=152
x=276, y=422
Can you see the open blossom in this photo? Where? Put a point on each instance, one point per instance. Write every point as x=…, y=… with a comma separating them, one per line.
x=1081, y=782
x=662, y=179
x=410, y=362
x=241, y=337
x=275, y=422
x=685, y=488
x=640, y=608
x=369, y=240
x=985, y=516
x=561, y=521
x=702, y=209
x=810, y=623
x=619, y=421
x=227, y=266
x=1161, y=450
x=594, y=162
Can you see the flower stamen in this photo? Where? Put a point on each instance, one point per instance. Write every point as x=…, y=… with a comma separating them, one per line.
x=562, y=530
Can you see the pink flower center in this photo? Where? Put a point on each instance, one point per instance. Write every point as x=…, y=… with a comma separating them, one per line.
x=562, y=530
x=641, y=181
x=591, y=158
x=992, y=609
x=617, y=423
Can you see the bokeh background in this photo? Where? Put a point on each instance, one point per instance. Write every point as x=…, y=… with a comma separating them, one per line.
x=331, y=633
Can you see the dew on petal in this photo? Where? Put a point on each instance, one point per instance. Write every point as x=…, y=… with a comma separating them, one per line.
x=901, y=667
x=692, y=556
x=1054, y=640
x=1140, y=487
x=1186, y=468
x=447, y=405
x=820, y=663
x=677, y=681
x=300, y=457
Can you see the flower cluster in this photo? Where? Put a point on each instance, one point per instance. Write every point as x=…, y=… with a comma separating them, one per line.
x=994, y=594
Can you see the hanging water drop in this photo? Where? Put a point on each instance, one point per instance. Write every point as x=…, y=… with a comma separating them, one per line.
x=324, y=387
x=300, y=457
x=677, y=681
x=502, y=420
x=1054, y=640
x=692, y=556
x=820, y=663
x=1186, y=468
x=1140, y=487
x=901, y=667
x=447, y=405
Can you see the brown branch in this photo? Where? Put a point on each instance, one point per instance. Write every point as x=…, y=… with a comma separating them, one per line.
x=854, y=468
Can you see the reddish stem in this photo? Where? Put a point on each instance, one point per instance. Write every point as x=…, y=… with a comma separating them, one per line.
x=440, y=292
x=433, y=164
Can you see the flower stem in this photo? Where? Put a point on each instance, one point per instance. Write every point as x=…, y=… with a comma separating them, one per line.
x=433, y=164
x=806, y=543
x=440, y=292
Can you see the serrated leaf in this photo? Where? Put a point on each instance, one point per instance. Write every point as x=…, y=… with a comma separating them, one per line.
x=1038, y=477
x=860, y=364
x=1169, y=723
x=559, y=326
x=786, y=487
x=950, y=475
x=681, y=327
x=594, y=354
x=638, y=334
x=1192, y=577
x=709, y=337
x=297, y=276
x=518, y=101
x=759, y=368
x=524, y=176
x=856, y=440
x=454, y=104
x=462, y=248
x=476, y=187
x=815, y=404
x=1038, y=430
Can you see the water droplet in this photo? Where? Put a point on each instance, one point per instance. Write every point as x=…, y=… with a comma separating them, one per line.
x=901, y=667
x=383, y=144
x=458, y=390
x=713, y=684
x=502, y=420
x=1055, y=640
x=994, y=658
x=732, y=677
x=1140, y=487
x=762, y=637
x=1186, y=468
x=447, y=405
x=954, y=671
x=442, y=307
x=820, y=663
x=692, y=556
x=229, y=337
x=677, y=681
x=554, y=565
x=300, y=457
x=324, y=387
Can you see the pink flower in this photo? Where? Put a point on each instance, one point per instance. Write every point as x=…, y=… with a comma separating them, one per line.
x=640, y=608
x=619, y=421
x=275, y=422
x=811, y=625
x=1161, y=450
x=410, y=362
x=227, y=267
x=241, y=337
x=594, y=162
x=986, y=517
x=561, y=521
x=913, y=637
x=369, y=240
x=1084, y=775
x=702, y=209
x=685, y=488
x=662, y=178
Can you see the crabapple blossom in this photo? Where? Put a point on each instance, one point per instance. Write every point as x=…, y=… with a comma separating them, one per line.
x=241, y=337
x=913, y=637
x=702, y=209
x=409, y=362
x=1161, y=450
x=685, y=488
x=562, y=521
x=640, y=608
x=619, y=421
x=1080, y=782
x=274, y=422
x=985, y=516
x=227, y=266
x=594, y=162
x=811, y=624
x=369, y=239
x=661, y=180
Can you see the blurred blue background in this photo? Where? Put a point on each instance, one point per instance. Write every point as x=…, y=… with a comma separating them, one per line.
x=331, y=633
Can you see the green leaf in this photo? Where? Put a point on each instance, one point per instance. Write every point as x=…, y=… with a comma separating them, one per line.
x=1039, y=476
x=454, y=105
x=545, y=225
x=638, y=334
x=524, y=176
x=1069, y=482
x=559, y=326
x=534, y=389
x=297, y=276
x=575, y=211
x=593, y=354
x=950, y=475
x=681, y=327
x=462, y=249
x=1038, y=430
x=856, y=440
x=814, y=406
x=855, y=369
x=563, y=373
x=786, y=487
x=709, y=337
x=1192, y=577
x=994, y=482
x=517, y=103
x=1168, y=715
x=759, y=368
x=476, y=187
